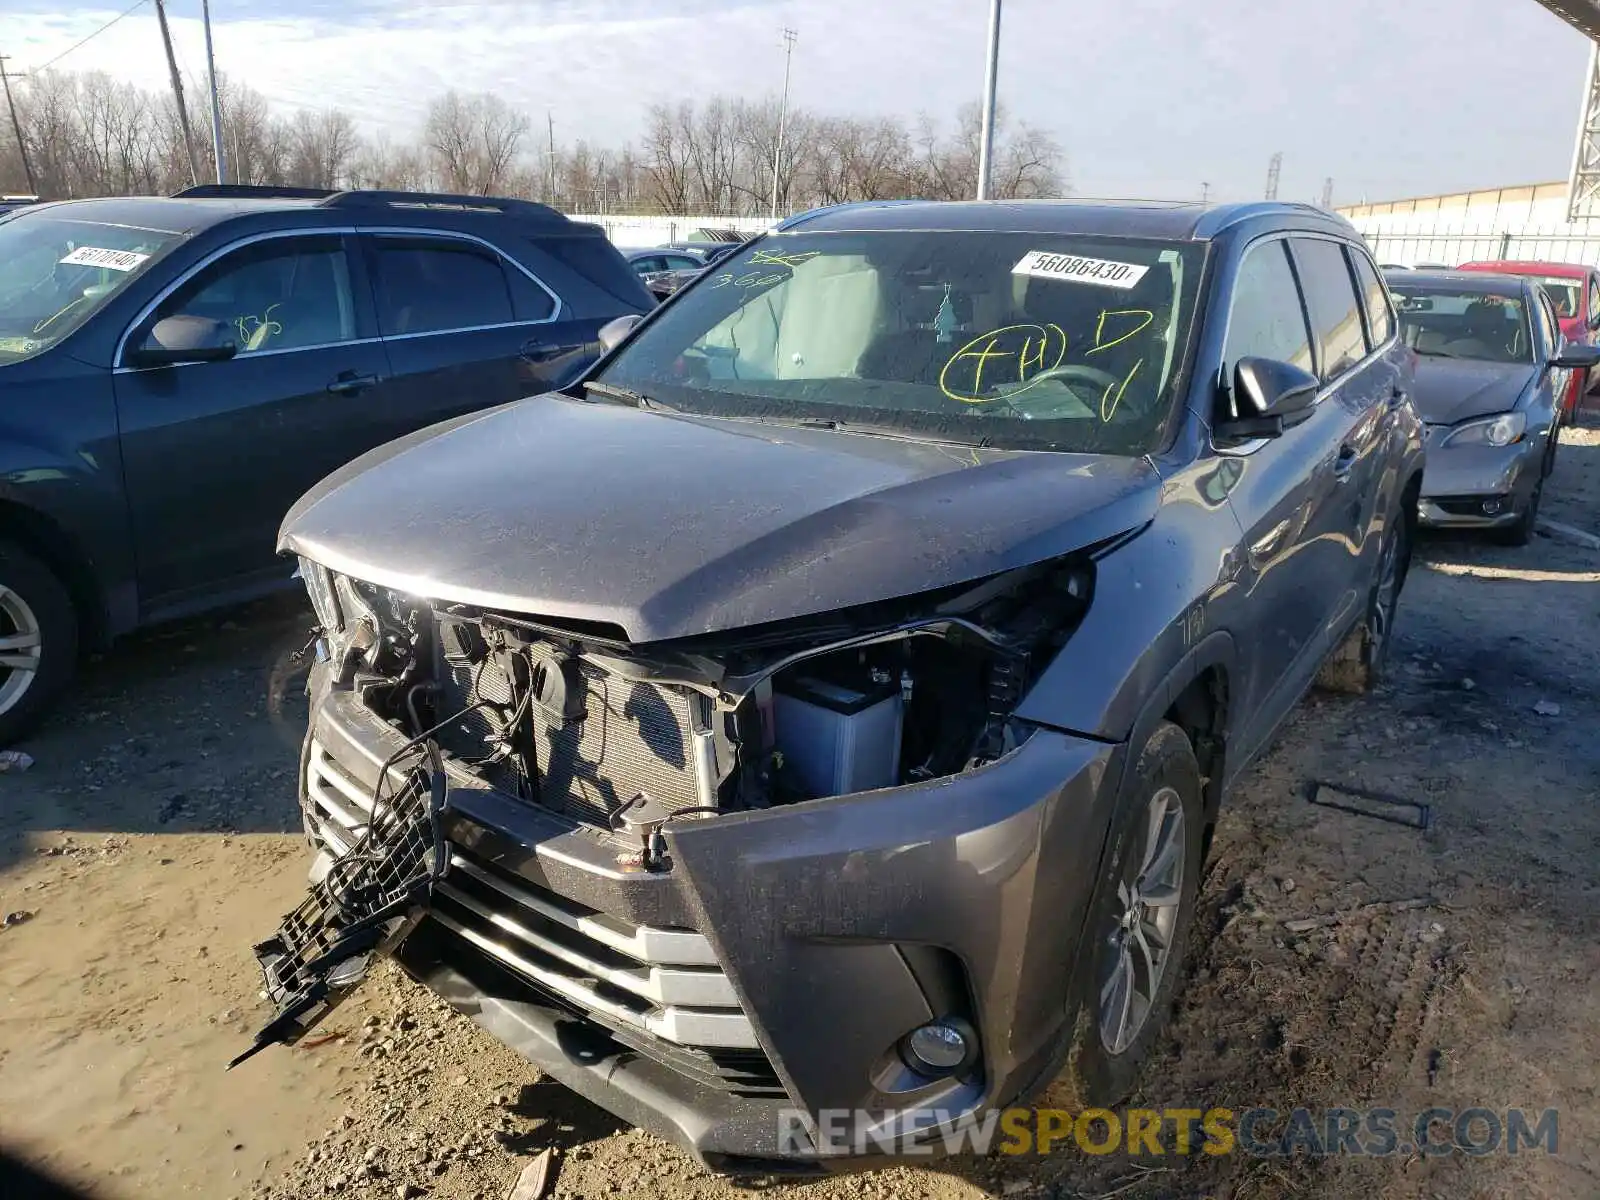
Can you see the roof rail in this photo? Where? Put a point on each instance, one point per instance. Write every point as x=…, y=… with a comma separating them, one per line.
x=251, y=191
x=526, y=209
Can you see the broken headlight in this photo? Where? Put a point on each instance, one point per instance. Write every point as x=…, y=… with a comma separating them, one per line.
x=349, y=624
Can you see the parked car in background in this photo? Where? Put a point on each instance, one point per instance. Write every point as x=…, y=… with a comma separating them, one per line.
x=12, y=203
x=176, y=371
x=659, y=260
x=1492, y=366
x=1574, y=290
x=665, y=283
x=891, y=612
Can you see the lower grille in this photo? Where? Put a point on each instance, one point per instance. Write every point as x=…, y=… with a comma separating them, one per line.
x=661, y=982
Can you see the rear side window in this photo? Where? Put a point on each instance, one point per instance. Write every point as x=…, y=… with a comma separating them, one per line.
x=1380, y=317
x=1334, y=307
x=1267, y=320
x=426, y=286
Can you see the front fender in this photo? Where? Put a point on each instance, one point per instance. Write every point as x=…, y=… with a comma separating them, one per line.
x=1147, y=617
x=61, y=481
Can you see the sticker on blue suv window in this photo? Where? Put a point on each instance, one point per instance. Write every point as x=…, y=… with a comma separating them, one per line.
x=94, y=256
x=1047, y=264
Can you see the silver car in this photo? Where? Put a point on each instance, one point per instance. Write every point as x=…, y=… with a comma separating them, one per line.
x=1492, y=366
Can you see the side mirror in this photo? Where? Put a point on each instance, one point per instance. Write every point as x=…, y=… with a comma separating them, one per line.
x=614, y=332
x=184, y=339
x=1268, y=397
x=1577, y=355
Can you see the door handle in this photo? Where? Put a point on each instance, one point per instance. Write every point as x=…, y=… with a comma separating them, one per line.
x=348, y=383
x=1345, y=463
x=539, y=352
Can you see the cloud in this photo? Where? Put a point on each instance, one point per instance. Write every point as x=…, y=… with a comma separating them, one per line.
x=1148, y=96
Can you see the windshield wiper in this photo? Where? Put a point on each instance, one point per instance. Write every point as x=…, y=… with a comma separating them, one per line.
x=884, y=431
x=637, y=399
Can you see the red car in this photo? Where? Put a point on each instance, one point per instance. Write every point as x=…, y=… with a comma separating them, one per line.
x=1574, y=292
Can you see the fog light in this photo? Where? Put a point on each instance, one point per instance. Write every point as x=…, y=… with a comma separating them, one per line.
x=1492, y=506
x=939, y=1048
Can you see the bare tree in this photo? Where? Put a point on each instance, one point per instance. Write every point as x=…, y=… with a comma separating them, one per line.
x=89, y=135
x=473, y=141
x=668, y=156
x=322, y=146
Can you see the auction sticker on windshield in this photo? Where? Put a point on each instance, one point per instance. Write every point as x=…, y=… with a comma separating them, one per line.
x=1047, y=264
x=115, y=260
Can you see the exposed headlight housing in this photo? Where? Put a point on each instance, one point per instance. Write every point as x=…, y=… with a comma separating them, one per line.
x=1504, y=430
x=319, y=586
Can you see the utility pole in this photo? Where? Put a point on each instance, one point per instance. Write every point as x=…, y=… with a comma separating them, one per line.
x=16, y=126
x=1327, y=194
x=1205, y=193
x=177, y=91
x=550, y=153
x=990, y=83
x=1274, y=169
x=789, y=36
x=216, y=104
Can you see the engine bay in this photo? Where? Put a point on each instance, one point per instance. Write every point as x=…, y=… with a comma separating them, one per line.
x=579, y=721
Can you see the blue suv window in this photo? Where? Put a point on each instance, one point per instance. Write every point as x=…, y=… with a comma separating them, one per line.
x=434, y=286
x=287, y=293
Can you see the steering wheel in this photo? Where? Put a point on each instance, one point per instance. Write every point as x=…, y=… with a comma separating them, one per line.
x=1017, y=402
x=1101, y=379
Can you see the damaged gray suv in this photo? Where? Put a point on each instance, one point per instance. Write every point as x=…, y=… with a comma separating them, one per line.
x=824, y=705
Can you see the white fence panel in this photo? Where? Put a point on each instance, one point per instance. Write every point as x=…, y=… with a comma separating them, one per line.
x=1412, y=238
x=643, y=232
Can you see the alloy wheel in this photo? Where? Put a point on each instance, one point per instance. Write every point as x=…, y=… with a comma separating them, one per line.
x=20, y=648
x=1386, y=597
x=1140, y=940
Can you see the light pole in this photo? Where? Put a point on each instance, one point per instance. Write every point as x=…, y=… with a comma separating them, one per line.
x=789, y=36
x=986, y=141
x=216, y=105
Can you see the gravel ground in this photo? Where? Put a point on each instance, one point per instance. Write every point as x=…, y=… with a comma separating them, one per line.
x=155, y=839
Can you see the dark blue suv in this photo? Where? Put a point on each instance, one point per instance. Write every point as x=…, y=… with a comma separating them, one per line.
x=174, y=372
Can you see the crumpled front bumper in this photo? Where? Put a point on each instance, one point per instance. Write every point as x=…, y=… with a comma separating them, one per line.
x=833, y=928
x=1459, y=478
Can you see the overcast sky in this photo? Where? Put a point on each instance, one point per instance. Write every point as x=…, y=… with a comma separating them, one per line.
x=1148, y=97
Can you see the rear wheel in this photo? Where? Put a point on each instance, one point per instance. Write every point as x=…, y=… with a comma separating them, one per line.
x=1357, y=666
x=1138, y=925
x=38, y=640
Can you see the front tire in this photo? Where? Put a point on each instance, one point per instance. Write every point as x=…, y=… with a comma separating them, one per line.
x=1138, y=925
x=38, y=640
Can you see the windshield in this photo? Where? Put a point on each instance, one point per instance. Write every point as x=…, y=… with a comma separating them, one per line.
x=1014, y=340
x=55, y=273
x=1456, y=323
x=1565, y=294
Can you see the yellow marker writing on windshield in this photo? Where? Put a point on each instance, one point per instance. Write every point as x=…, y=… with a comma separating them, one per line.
x=1100, y=328
x=776, y=258
x=1019, y=354
x=1109, y=402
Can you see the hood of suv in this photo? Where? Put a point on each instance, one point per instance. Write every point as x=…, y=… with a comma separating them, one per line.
x=669, y=526
x=1449, y=390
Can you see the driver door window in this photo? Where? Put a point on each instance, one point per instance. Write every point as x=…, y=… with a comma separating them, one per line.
x=273, y=295
x=1268, y=319
x=1594, y=302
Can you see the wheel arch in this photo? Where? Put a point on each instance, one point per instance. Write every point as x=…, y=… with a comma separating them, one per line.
x=49, y=542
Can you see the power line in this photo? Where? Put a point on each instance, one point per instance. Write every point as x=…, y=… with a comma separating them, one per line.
x=125, y=13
